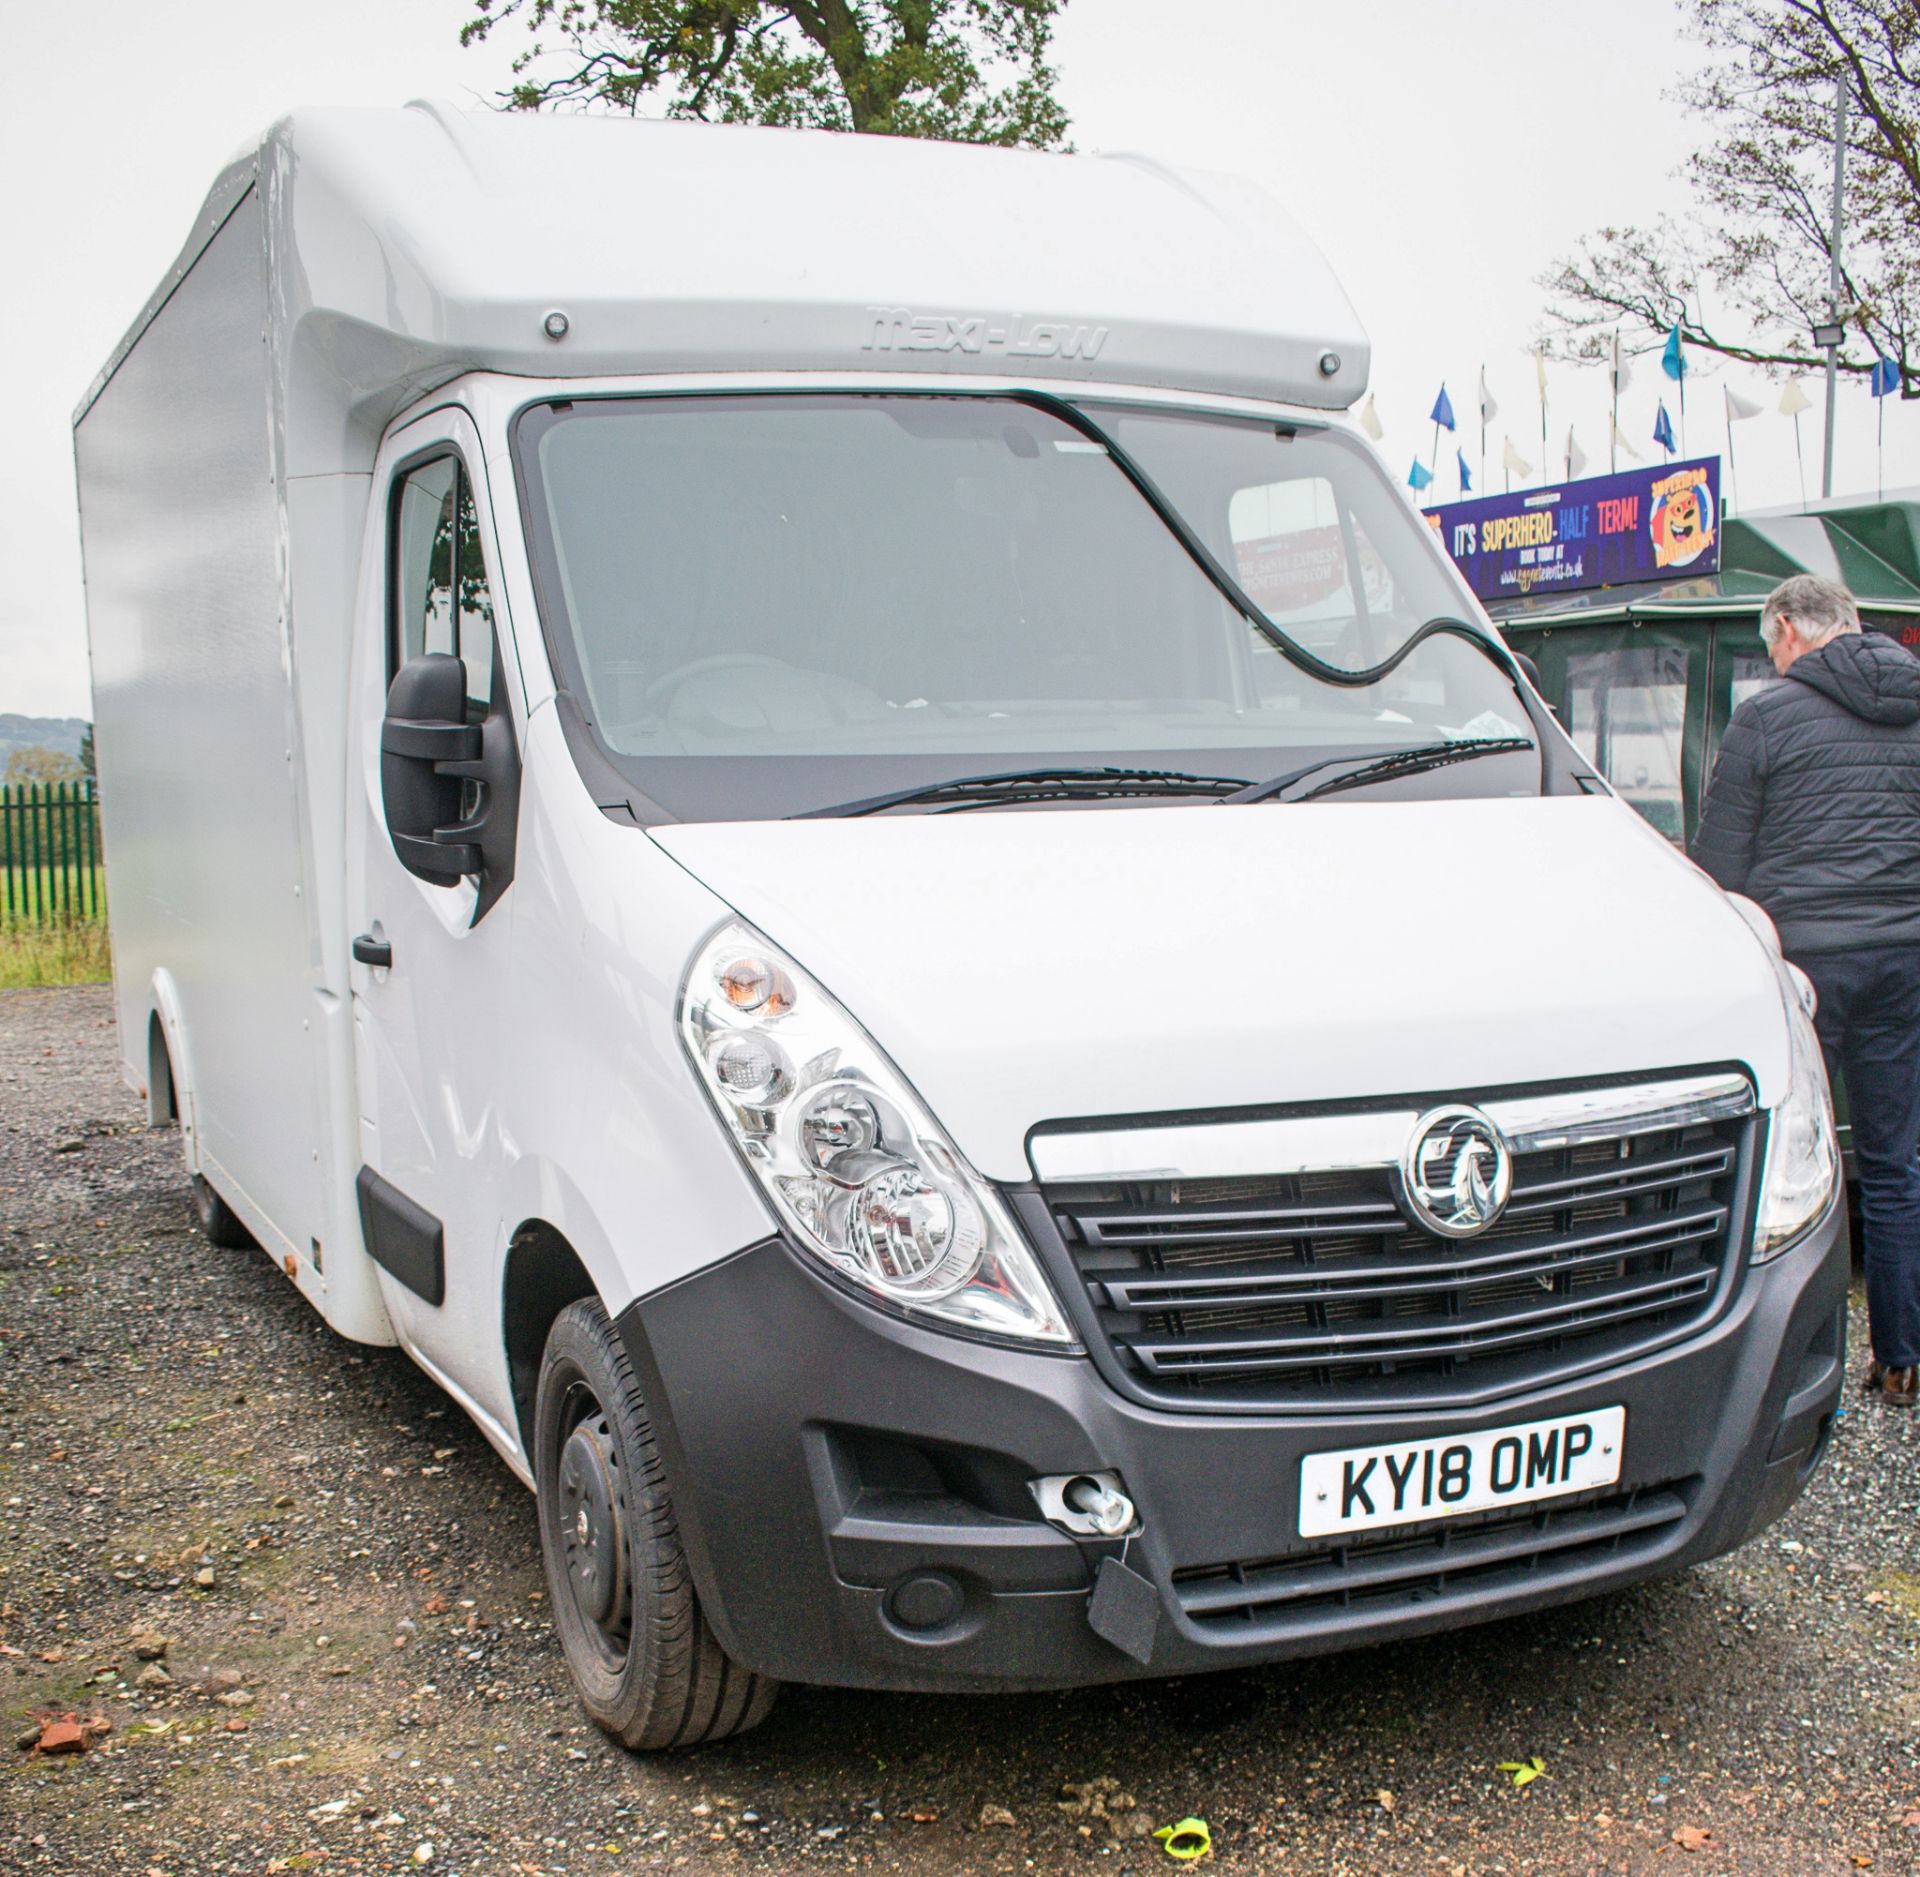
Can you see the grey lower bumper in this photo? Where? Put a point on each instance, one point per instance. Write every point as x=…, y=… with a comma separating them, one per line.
x=853, y=1489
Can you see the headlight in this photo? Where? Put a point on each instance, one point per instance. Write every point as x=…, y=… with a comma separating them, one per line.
x=849, y=1156
x=1803, y=1153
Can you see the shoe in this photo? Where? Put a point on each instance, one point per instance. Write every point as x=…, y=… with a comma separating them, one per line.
x=1898, y=1388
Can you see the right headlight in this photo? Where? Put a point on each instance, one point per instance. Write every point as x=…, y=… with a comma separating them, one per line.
x=1803, y=1151
x=862, y=1175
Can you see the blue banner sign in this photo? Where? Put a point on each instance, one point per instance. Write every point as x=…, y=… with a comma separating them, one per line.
x=1603, y=531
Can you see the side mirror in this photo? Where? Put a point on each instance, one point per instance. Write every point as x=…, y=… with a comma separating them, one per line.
x=451, y=789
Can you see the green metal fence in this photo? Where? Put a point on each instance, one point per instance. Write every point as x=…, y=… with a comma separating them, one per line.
x=50, y=865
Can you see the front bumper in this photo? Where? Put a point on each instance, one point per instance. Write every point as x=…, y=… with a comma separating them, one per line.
x=852, y=1489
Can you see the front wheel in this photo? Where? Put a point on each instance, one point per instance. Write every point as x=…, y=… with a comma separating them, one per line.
x=647, y=1667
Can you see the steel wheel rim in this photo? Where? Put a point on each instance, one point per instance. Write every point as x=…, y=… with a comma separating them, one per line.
x=590, y=1527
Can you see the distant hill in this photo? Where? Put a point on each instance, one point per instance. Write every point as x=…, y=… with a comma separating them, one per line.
x=55, y=733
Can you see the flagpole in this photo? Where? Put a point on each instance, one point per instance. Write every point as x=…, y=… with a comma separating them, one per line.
x=1483, y=424
x=1613, y=433
x=1880, y=454
x=1683, y=403
x=1800, y=458
x=1733, y=468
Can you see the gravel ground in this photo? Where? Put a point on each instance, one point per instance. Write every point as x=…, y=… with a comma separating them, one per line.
x=361, y=1675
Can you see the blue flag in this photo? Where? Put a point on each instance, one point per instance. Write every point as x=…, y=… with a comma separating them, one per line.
x=1885, y=378
x=1663, y=428
x=1419, y=476
x=1673, y=361
x=1466, y=475
x=1443, y=410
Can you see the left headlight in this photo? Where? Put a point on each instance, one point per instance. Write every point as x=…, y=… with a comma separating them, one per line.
x=1803, y=1151
x=861, y=1173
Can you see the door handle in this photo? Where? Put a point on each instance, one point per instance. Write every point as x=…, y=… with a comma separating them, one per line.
x=368, y=950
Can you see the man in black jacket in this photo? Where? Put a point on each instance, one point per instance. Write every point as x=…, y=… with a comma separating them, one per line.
x=1814, y=811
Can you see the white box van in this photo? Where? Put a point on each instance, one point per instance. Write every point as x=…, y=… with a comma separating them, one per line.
x=797, y=806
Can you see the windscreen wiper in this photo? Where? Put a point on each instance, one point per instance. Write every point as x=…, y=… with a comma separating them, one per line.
x=1382, y=768
x=1036, y=785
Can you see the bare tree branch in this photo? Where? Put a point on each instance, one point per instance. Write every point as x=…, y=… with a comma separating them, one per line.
x=1756, y=244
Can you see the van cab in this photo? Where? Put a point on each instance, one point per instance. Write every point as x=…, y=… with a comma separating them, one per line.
x=800, y=807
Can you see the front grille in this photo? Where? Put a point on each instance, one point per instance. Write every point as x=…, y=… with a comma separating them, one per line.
x=1312, y=1288
x=1256, y=1601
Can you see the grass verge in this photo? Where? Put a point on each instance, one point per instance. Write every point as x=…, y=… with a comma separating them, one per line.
x=64, y=954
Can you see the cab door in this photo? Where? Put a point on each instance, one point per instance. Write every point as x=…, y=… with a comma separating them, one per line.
x=431, y=960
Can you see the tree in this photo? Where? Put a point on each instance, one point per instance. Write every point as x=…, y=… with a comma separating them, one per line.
x=1758, y=233
x=86, y=751
x=972, y=71
x=32, y=763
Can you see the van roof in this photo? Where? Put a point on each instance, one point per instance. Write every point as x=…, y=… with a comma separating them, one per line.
x=413, y=244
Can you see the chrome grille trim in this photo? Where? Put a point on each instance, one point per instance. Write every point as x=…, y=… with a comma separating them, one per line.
x=1210, y=1150
x=1536, y=1123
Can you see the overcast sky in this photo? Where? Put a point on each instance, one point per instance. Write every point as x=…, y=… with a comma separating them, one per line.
x=1443, y=152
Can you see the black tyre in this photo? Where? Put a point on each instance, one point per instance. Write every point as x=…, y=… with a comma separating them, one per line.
x=217, y=1218
x=647, y=1667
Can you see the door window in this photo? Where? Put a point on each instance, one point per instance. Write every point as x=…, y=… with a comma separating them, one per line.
x=1627, y=709
x=441, y=602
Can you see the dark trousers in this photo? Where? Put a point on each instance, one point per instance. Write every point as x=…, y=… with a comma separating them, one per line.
x=1869, y=1025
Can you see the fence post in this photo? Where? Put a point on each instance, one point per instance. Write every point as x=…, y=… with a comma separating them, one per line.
x=36, y=858
x=93, y=883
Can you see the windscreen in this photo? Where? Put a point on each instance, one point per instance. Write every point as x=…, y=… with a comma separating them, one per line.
x=767, y=603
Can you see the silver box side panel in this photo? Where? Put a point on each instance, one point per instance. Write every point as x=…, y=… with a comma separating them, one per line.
x=184, y=544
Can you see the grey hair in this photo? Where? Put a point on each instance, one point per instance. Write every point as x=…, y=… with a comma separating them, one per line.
x=1821, y=609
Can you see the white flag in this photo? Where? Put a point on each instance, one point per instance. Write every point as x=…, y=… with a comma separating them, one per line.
x=1489, y=410
x=1576, y=457
x=1620, y=443
x=1540, y=371
x=1514, y=462
x=1618, y=369
x=1370, y=421
x=1739, y=409
x=1794, y=400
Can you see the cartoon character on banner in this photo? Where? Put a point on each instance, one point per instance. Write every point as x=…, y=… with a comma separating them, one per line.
x=1682, y=520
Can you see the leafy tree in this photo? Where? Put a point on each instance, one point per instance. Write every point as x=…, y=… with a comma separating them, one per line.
x=972, y=71
x=32, y=763
x=1757, y=233
x=86, y=751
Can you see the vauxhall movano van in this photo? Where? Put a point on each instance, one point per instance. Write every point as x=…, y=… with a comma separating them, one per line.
x=799, y=807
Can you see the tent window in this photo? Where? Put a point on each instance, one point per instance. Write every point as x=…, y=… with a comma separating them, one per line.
x=1627, y=710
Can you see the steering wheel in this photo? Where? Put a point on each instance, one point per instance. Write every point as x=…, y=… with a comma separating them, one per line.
x=669, y=681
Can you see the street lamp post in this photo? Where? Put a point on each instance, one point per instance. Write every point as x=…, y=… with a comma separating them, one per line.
x=1831, y=334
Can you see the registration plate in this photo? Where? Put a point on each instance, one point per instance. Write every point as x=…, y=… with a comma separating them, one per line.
x=1364, y=1489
